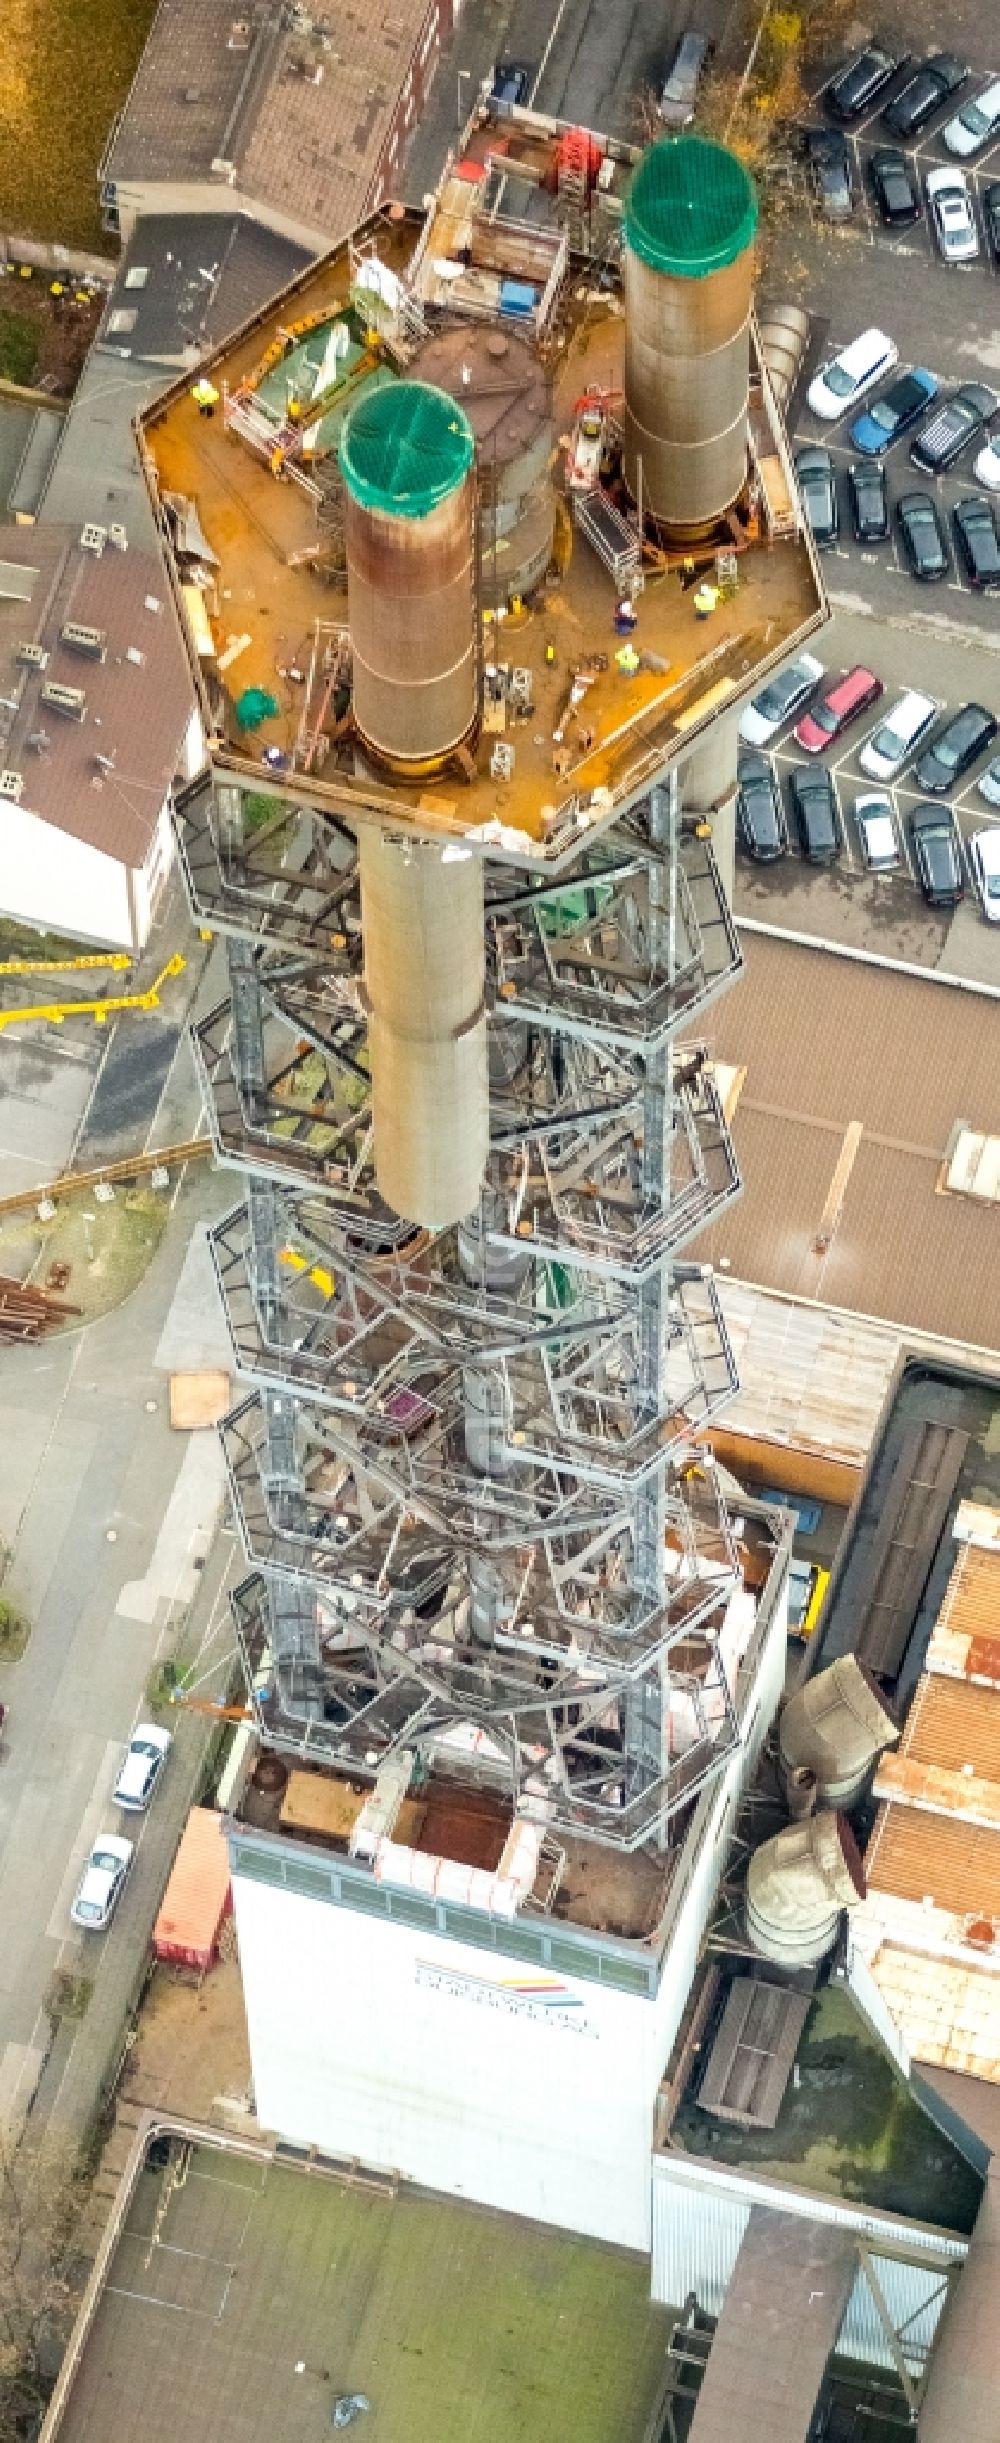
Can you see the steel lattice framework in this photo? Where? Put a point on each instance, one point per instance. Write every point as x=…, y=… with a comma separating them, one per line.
x=464, y=1472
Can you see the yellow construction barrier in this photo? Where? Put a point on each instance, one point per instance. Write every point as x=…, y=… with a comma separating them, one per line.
x=50, y=967
x=99, y=1011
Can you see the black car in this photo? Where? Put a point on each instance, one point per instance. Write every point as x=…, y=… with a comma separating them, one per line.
x=930, y=85
x=894, y=187
x=830, y=170
x=958, y=420
x=818, y=486
x=511, y=81
x=978, y=541
x=815, y=801
x=922, y=536
x=965, y=737
x=990, y=201
x=859, y=82
x=937, y=856
x=869, y=500
x=759, y=812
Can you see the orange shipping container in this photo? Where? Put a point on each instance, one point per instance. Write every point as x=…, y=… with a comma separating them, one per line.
x=197, y=1897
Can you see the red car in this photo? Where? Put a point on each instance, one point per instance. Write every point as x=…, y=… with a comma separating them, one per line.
x=836, y=707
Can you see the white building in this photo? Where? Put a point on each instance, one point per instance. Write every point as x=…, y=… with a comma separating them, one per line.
x=99, y=718
x=511, y=2060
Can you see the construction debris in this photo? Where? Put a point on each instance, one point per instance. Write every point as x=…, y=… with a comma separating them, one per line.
x=25, y=1311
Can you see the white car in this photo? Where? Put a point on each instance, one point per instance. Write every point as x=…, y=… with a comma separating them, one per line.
x=877, y=829
x=988, y=783
x=984, y=858
x=835, y=389
x=144, y=1759
x=893, y=742
x=974, y=124
x=784, y=695
x=986, y=468
x=952, y=216
x=101, y=1884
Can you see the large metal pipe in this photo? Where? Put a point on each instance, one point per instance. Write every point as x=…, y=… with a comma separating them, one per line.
x=422, y=918
x=837, y=1724
x=688, y=275
x=797, y=1886
x=407, y=458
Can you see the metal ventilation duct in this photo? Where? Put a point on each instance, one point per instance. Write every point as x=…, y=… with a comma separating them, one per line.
x=837, y=1725
x=688, y=273
x=797, y=1885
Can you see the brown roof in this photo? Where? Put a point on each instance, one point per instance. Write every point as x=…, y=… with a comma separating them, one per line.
x=965, y=1639
x=955, y=1726
x=826, y=1041
x=136, y=710
x=916, y=1856
x=309, y=150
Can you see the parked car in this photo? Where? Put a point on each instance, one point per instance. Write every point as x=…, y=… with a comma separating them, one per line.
x=984, y=858
x=904, y=403
x=931, y=84
x=877, y=831
x=680, y=92
x=144, y=1759
x=965, y=736
x=815, y=801
x=100, y=1886
x=978, y=542
x=836, y=708
x=857, y=85
x=511, y=82
x=975, y=124
x=988, y=785
x=954, y=422
x=869, y=501
x=784, y=695
x=986, y=467
x=818, y=486
x=893, y=742
x=989, y=199
x=952, y=217
x=922, y=536
x=760, y=816
x=830, y=170
x=836, y=387
x=894, y=187
x=937, y=856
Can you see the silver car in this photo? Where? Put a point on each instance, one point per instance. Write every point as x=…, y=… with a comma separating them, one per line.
x=984, y=858
x=680, y=92
x=101, y=1882
x=952, y=216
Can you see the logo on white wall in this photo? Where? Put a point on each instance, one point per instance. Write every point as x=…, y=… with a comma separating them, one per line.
x=545, y=1999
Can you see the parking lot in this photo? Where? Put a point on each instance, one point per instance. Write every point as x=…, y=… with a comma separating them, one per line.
x=942, y=638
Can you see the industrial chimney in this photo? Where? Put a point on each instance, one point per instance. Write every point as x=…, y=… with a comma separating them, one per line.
x=407, y=457
x=688, y=272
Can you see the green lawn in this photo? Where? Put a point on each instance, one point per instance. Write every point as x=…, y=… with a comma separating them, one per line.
x=65, y=69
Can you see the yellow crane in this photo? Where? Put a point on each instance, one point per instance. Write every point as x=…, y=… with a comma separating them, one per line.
x=99, y=1011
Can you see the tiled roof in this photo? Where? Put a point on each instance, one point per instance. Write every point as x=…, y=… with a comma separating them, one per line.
x=916, y=1855
x=827, y=1041
x=138, y=699
x=303, y=119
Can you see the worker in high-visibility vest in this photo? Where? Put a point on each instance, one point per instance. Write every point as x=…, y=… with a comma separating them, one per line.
x=706, y=601
x=205, y=396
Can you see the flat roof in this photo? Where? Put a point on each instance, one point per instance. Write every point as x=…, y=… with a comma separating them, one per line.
x=271, y=615
x=831, y=1046
x=237, y=2303
x=188, y=280
x=301, y=116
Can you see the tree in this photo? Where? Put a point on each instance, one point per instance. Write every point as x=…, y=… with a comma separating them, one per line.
x=41, y=2197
